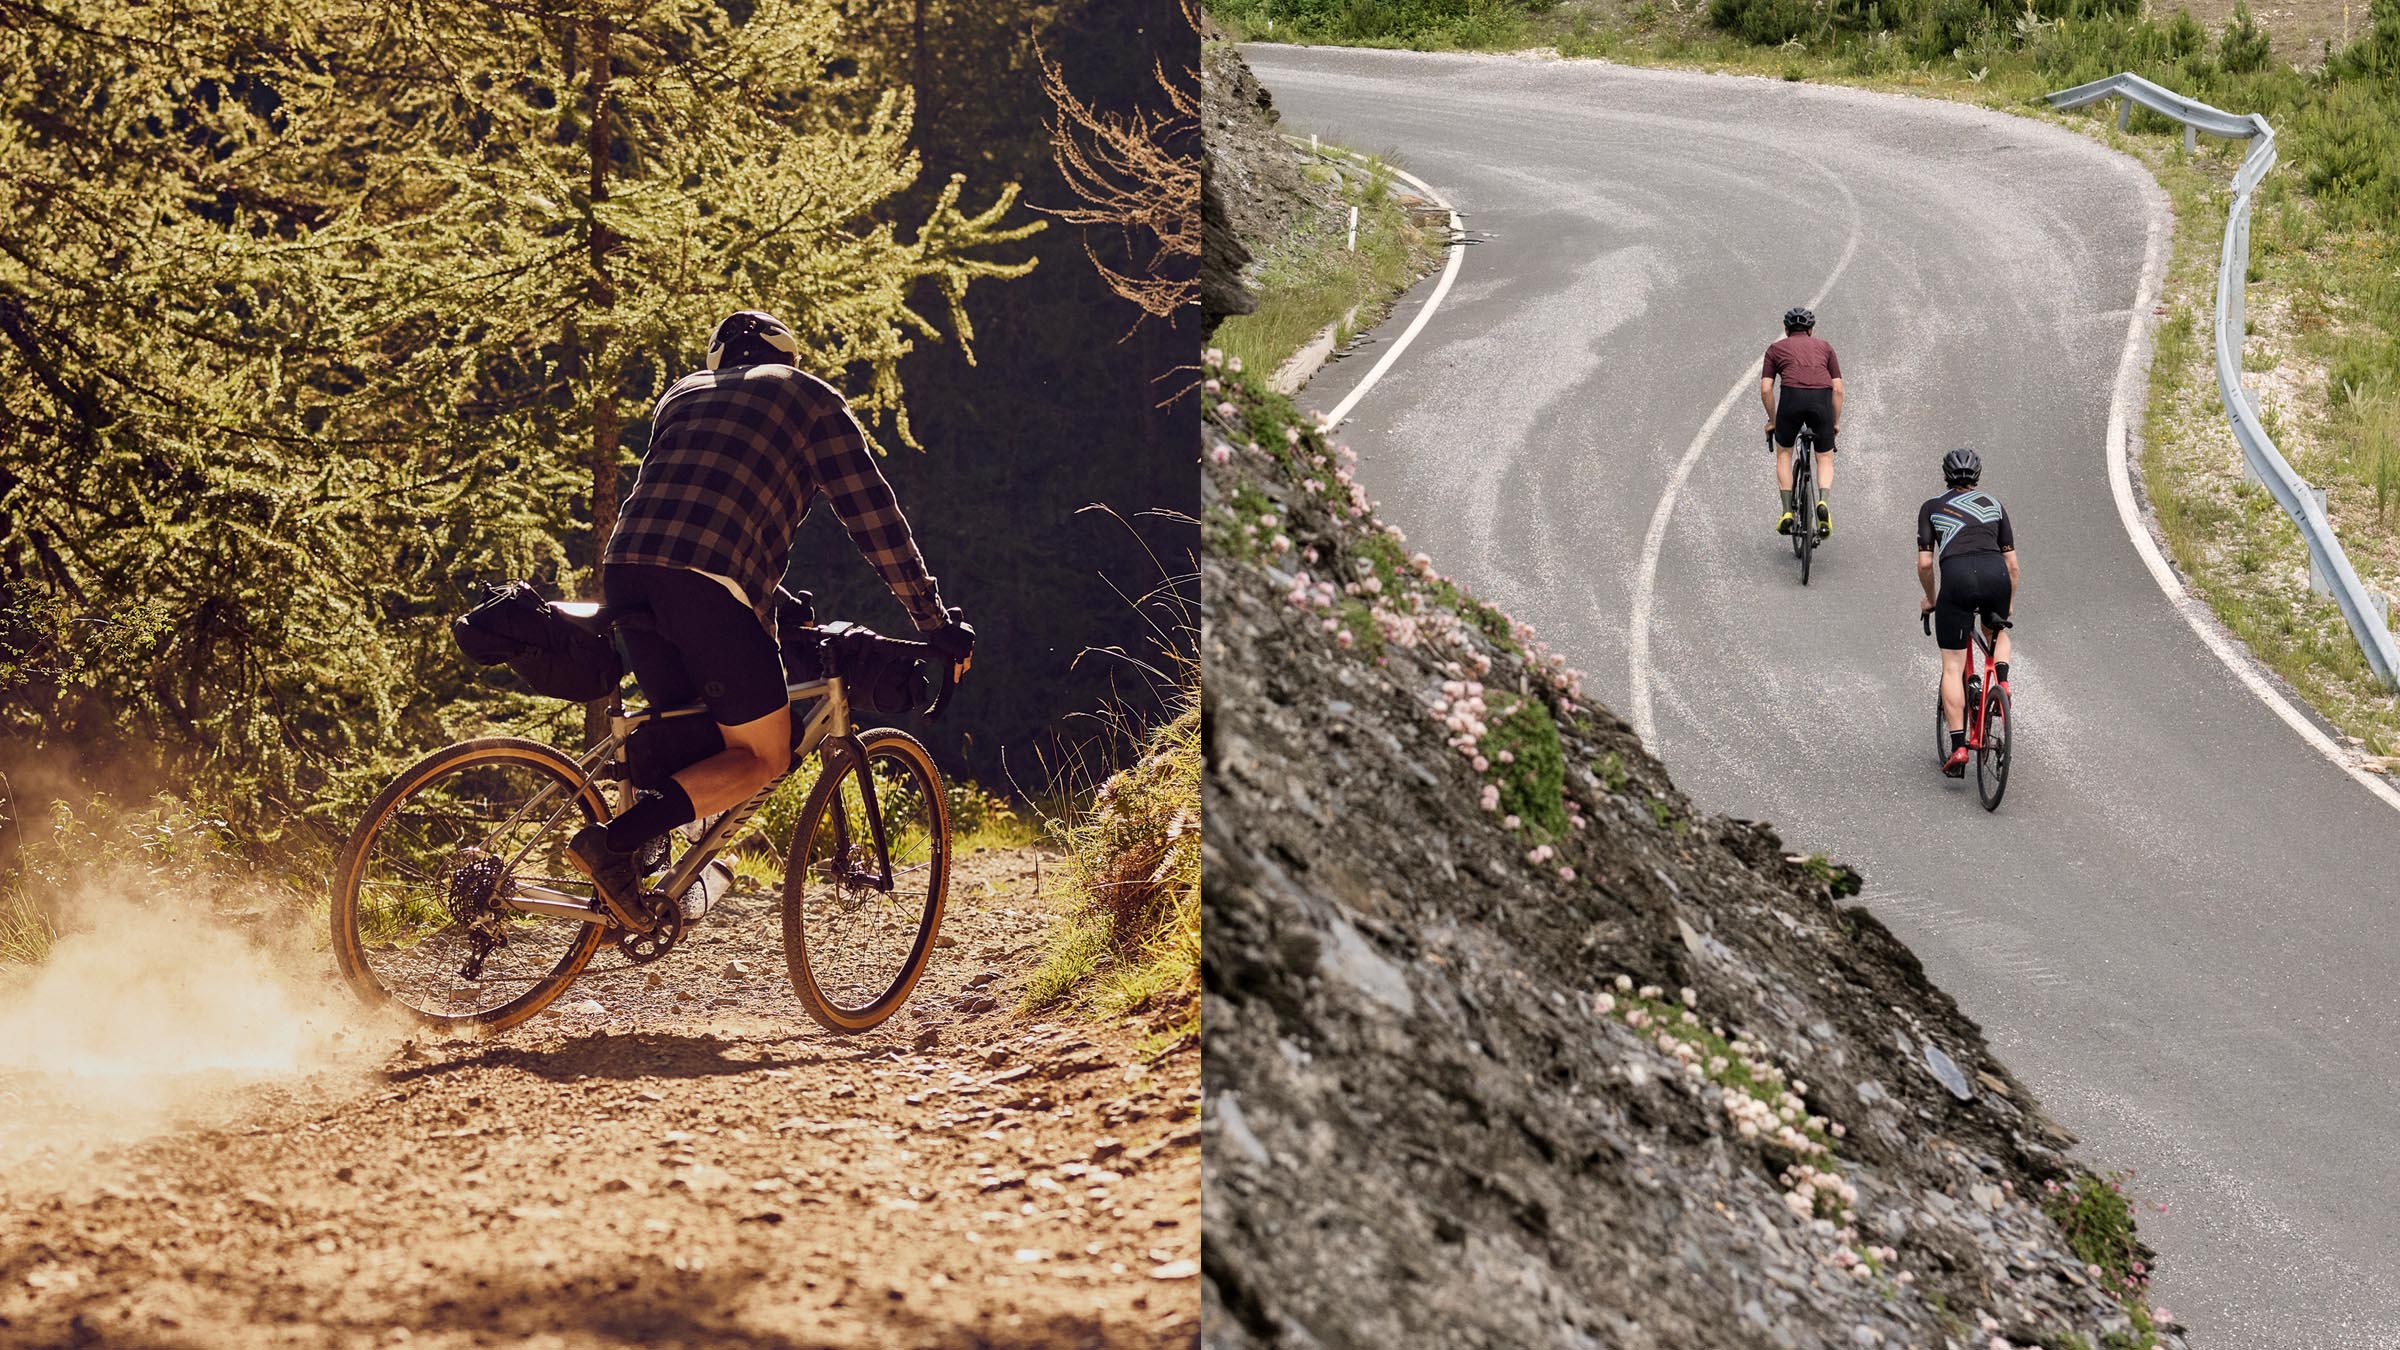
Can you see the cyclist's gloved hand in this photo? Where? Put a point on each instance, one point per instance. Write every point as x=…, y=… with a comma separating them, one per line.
x=954, y=641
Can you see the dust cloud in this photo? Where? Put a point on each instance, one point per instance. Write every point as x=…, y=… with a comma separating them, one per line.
x=158, y=1010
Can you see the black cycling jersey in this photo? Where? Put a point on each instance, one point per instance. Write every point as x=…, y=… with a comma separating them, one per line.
x=1963, y=522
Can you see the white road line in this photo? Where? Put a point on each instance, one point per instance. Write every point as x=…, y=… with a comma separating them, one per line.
x=1645, y=583
x=1458, y=253
x=2195, y=611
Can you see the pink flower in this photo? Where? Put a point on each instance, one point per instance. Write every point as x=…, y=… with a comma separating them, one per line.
x=1343, y=637
x=1283, y=543
x=1481, y=765
x=1566, y=874
x=1512, y=822
x=2161, y=1315
x=1223, y=454
x=1508, y=756
x=1267, y=521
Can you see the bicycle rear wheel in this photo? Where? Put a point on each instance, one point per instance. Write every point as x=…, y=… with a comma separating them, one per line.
x=1804, y=529
x=417, y=918
x=1941, y=728
x=1991, y=760
x=855, y=947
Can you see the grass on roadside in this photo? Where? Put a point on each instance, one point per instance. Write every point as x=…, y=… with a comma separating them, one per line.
x=1133, y=944
x=1314, y=279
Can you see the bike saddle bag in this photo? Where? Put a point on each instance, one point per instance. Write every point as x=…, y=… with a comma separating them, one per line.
x=883, y=676
x=517, y=627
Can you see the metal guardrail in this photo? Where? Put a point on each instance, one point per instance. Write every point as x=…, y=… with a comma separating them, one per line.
x=2330, y=568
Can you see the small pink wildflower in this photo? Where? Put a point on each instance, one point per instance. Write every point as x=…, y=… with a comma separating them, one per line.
x=1566, y=874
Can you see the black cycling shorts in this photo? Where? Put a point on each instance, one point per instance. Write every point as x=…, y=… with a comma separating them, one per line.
x=1812, y=408
x=701, y=644
x=1976, y=584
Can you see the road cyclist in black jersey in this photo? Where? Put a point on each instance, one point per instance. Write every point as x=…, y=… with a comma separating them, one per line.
x=1811, y=396
x=1967, y=563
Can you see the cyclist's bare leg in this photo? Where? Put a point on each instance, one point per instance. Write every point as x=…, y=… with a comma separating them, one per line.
x=754, y=753
x=1783, y=467
x=2000, y=645
x=1824, y=469
x=1954, y=690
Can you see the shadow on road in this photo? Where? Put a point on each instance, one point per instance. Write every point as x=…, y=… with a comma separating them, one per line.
x=631, y=1055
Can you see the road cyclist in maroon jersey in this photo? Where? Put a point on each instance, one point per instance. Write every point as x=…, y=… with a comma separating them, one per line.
x=1811, y=397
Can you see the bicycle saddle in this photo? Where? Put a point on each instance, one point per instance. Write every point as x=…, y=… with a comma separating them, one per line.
x=590, y=616
x=595, y=618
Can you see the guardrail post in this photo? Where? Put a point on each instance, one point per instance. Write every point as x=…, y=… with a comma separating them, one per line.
x=2124, y=113
x=2318, y=582
x=2191, y=139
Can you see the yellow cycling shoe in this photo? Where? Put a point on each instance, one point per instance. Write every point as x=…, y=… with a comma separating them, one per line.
x=1784, y=526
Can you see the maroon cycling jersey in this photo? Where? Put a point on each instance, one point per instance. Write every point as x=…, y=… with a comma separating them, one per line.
x=1804, y=360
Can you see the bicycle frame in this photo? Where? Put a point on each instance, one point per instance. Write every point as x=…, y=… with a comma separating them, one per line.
x=1977, y=644
x=827, y=724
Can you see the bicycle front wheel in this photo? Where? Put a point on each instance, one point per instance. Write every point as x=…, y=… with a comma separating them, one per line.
x=860, y=913
x=418, y=913
x=1991, y=761
x=1804, y=530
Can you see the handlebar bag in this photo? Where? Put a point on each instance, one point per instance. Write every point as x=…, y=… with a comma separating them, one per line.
x=883, y=676
x=516, y=627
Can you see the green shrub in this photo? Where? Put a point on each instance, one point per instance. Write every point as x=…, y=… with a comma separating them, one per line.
x=2242, y=48
x=2348, y=154
x=1951, y=26
x=1768, y=23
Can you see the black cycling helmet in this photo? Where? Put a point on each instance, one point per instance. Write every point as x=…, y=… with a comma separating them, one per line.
x=750, y=338
x=1799, y=319
x=1962, y=468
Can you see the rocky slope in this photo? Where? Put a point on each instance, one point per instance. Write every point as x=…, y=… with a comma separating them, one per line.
x=1508, y=1045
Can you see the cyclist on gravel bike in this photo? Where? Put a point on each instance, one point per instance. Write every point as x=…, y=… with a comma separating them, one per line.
x=1967, y=562
x=738, y=453
x=1812, y=397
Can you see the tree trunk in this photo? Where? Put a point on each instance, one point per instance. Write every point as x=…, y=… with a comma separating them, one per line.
x=916, y=82
x=600, y=370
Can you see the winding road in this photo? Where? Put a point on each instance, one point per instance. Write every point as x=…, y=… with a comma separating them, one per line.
x=2179, y=928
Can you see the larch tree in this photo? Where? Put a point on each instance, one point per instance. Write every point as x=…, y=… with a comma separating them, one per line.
x=312, y=309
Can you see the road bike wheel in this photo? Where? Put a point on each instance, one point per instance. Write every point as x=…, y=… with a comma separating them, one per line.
x=855, y=949
x=417, y=921
x=1991, y=761
x=1941, y=728
x=1804, y=528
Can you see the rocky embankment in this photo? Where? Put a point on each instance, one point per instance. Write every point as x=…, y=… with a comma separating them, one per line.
x=1510, y=1045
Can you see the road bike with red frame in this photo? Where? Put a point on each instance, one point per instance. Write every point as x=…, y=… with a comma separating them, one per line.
x=1988, y=710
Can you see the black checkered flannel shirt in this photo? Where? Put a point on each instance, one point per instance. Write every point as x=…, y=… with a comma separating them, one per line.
x=736, y=458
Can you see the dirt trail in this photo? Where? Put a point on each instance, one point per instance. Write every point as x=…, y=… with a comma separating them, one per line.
x=688, y=1162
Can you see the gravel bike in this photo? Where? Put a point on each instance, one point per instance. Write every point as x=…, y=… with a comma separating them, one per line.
x=1804, y=498
x=455, y=901
x=1987, y=713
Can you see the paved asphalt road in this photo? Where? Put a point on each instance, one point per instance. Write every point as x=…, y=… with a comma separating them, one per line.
x=2179, y=927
